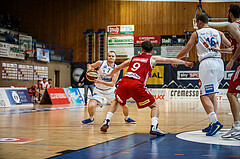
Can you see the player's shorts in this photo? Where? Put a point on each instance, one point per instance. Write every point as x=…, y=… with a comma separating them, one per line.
x=234, y=86
x=211, y=73
x=103, y=96
x=128, y=88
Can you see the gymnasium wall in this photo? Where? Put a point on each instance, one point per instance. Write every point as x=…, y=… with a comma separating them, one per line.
x=63, y=22
x=63, y=68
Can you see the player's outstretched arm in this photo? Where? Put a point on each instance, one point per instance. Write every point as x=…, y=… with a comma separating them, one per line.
x=165, y=60
x=120, y=67
x=188, y=47
x=94, y=65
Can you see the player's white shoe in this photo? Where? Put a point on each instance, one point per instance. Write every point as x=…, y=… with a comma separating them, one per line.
x=235, y=131
x=155, y=131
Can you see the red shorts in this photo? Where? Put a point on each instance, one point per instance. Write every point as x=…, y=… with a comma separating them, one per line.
x=128, y=88
x=234, y=86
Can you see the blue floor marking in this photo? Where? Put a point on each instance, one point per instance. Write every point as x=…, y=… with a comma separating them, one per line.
x=146, y=146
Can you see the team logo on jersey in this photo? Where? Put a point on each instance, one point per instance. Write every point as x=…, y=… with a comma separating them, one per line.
x=209, y=88
x=105, y=66
x=144, y=103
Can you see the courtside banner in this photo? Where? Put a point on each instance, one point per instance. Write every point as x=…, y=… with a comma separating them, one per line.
x=74, y=95
x=57, y=96
x=3, y=98
x=18, y=97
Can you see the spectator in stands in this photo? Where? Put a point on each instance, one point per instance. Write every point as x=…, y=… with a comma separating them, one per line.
x=44, y=83
x=49, y=85
x=87, y=84
x=10, y=38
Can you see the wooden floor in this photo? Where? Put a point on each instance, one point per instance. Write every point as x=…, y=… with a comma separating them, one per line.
x=61, y=130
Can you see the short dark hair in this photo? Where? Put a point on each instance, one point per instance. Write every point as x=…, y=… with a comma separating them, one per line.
x=44, y=78
x=38, y=81
x=49, y=79
x=203, y=17
x=147, y=46
x=235, y=10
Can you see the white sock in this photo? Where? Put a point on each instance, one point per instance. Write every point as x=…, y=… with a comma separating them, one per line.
x=237, y=123
x=154, y=121
x=109, y=115
x=126, y=117
x=91, y=117
x=213, y=117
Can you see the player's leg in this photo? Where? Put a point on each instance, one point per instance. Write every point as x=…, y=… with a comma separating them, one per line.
x=85, y=93
x=127, y=119
x=235, y=108
x=91, y=111
x=110, y=113
x=211, y=72
x=155, y=115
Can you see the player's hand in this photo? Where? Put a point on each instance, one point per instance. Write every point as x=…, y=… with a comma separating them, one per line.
x=189, y=64
x=229, y=65
x=79, y=84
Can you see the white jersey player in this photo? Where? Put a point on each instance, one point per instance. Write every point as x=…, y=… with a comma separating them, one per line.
x=211, y=68
x=104, y=87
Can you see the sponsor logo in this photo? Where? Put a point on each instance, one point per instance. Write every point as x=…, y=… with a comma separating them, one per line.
x=133, y=75
x=209, y=88
x=144, y=103
x=15, y=97
x=144, y=60
x=58, y=96
x=159, y=97
x=184, y=93
x=114, y=30
x=187, y=75
x=156, y=74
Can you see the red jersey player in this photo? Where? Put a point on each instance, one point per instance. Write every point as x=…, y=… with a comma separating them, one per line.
x=133, y=84
x=234, y=86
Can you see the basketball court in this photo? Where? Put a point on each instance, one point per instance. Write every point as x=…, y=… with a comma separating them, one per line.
x=56, y=40
x=60, y=133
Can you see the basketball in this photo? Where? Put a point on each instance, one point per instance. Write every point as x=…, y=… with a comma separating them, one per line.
x=91, y=75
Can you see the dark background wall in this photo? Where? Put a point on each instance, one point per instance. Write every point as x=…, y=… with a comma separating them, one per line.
x=63, y=22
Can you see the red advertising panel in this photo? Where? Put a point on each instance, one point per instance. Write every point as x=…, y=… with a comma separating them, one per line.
x=114, y=29
x=57, y=96
x=153, y=39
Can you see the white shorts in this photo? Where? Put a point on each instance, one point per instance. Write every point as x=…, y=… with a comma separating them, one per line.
x=211, y=73
x=103, y=96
